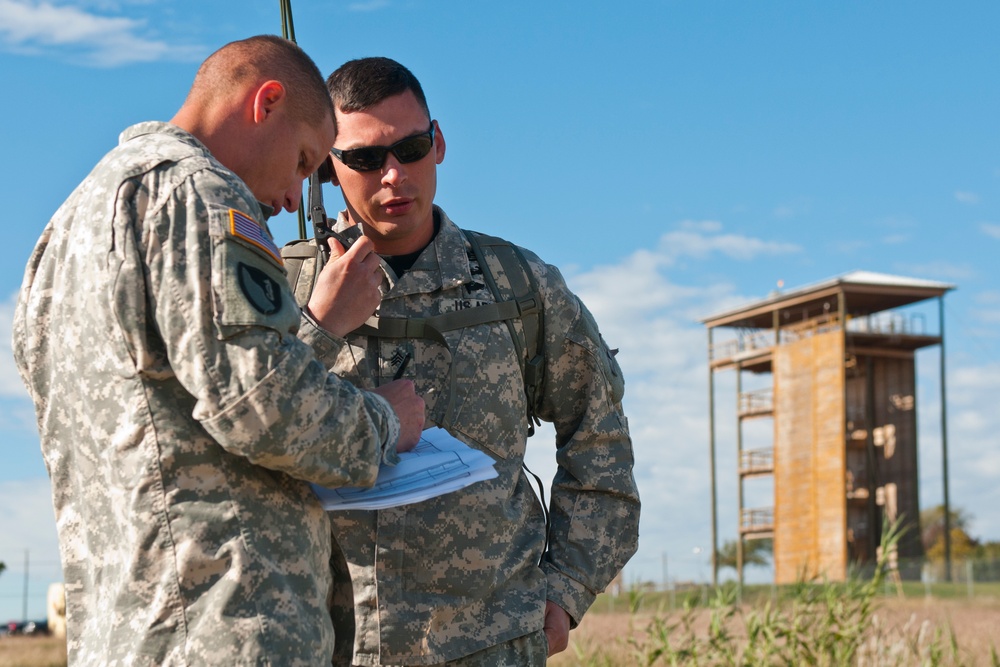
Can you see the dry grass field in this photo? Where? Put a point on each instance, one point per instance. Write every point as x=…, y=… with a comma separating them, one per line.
x=32, y=651
x=901, y=632
x=899, y=629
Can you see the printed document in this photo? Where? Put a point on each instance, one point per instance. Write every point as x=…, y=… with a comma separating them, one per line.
x=439, y=464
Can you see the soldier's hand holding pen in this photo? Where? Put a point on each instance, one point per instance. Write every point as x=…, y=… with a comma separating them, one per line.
x=408, y=407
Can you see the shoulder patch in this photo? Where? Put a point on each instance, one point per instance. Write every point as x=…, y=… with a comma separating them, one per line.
x=263, y=292
x=243, y=226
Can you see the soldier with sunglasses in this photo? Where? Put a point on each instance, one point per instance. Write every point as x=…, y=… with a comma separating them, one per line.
x=474, y=577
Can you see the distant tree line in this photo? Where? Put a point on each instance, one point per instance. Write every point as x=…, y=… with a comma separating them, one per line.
x=755, y=552
x=963, y=545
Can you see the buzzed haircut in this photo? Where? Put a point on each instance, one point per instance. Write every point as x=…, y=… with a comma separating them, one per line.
x=361, y=84
x=263, y=58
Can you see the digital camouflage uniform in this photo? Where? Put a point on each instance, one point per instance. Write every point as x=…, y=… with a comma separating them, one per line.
x=178, y=413
x=456, y=574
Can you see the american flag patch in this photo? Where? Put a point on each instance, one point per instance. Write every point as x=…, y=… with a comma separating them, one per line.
x=243, y=226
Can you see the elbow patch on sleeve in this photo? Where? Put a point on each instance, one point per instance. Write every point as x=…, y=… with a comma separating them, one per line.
x=249, y=286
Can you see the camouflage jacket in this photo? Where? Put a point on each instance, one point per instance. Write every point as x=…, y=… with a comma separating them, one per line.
x=178, y=414
x=453, y=575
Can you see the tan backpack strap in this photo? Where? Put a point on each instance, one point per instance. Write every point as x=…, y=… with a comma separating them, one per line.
x=431, y=328
x=303, y=262
x=524, y=289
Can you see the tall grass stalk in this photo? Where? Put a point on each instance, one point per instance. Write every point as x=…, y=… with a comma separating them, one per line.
x=820, y=624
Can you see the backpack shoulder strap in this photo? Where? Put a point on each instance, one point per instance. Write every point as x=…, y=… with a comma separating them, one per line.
x=523, y=287
x=303, y=262
x=522, y=284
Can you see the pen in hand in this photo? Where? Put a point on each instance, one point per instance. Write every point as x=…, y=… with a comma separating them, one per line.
x=402, y=367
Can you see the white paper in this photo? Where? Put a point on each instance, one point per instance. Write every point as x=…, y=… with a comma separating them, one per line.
x=440, y=463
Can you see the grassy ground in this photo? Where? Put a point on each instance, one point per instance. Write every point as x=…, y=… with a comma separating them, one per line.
x=900, y=631
x=32, y=652
x=912, y=630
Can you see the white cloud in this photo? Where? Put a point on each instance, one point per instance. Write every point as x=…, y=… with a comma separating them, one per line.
x=990, y=229
x=700, y=243
x=36, y=28
x=964, y=197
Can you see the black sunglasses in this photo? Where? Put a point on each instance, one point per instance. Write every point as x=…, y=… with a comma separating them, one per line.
x=370, y=158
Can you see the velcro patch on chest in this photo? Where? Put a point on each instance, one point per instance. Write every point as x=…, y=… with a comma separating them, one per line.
x=244, y=227
x=451, y=305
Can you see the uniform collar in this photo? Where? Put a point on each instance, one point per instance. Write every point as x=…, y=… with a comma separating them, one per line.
x=159, y=127
x=169, y=129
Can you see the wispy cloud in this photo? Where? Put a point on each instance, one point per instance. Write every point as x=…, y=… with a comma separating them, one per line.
x=896, y=222
x=792, y=208
x=965, y=197
x=707, y=226
x=702, y=239
x=43, y=28
x=938, y=269
x=367, y=6
x=990, y=229
x=849, y=247
x=987, y=311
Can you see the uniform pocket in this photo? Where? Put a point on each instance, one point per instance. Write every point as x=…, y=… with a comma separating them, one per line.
x=489, y=403
x=584, y=332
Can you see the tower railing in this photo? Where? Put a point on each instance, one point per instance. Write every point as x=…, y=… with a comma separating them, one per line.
x=746, y=341
x=757, y=402
x=757, y=461
x=757, y=519
x=889, y=323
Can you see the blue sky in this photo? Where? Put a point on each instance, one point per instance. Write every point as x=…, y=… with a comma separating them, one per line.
x=673, y=158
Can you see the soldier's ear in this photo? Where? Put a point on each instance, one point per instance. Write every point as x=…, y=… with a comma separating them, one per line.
x=267, y=98
x=439, y=144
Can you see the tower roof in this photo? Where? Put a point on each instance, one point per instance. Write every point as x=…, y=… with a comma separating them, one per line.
x=865, y=292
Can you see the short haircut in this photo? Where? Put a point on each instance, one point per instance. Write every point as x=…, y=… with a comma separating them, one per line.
x=263, y=58
x=361, y=84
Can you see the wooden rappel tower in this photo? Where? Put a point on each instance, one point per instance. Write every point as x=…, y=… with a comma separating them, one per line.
x=837, y=365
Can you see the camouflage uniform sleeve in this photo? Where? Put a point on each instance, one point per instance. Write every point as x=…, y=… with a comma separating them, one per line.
x=228, y=319
x=594, y=509
x=324, y=344
x=326, y=347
